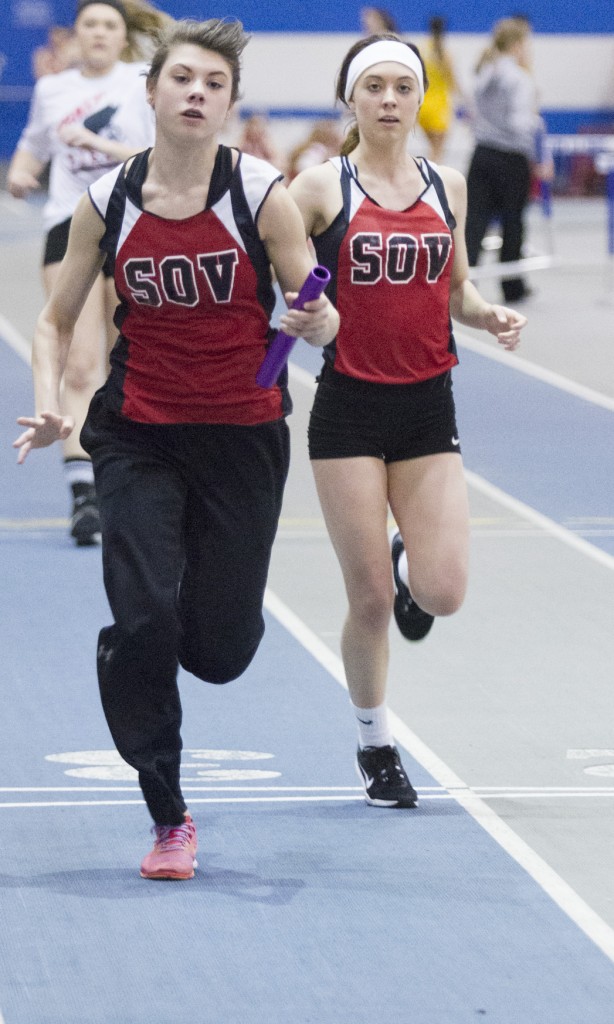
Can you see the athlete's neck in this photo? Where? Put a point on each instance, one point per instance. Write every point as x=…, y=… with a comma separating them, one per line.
x=393, y=183
x=181, y=168
x=177, y=183
x=393, y=165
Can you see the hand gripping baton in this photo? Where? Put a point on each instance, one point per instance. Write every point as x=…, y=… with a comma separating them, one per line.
x=282, y=344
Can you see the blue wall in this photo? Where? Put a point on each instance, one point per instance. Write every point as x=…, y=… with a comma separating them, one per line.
x=462, y=15
x=24, y=25
x=591, y=16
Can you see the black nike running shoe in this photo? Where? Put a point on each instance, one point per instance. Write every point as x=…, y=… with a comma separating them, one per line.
x=383, y=777
x=413, y=623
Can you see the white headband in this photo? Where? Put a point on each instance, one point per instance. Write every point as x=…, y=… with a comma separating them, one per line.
x=378, y=53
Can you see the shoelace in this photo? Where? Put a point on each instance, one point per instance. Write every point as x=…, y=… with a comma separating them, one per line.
x=388, y=765
x=173, y=837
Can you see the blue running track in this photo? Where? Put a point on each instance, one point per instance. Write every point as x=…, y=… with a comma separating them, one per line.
x=308, y=907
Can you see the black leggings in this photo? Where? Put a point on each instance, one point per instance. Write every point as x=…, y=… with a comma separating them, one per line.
x=498, y=186
x=188, y=518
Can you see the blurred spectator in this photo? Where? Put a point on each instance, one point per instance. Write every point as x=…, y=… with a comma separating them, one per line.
x=323, y=141
x=437, y=108
x=375, y=20
x=256, y=140
x=61, y=51
x=83, y=121
x=506, y=126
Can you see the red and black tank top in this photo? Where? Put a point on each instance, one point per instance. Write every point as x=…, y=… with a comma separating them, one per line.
x=390, y=281
x=195, y=299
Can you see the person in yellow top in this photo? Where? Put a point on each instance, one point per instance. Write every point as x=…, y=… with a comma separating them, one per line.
x=437, y=108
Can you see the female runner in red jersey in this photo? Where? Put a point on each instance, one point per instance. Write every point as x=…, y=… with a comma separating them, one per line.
x=382, y=432
x=190, y=456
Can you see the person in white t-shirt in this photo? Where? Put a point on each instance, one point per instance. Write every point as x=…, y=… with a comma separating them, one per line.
x=82, y=122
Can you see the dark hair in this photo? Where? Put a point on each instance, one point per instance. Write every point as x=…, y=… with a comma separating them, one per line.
x=117, y=5
x=144, y=25
x=353, y=138
x=388, y=22
x=437, y=28
x=221, y=36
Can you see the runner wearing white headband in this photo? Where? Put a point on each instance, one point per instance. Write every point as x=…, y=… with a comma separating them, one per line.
x=384, y=51
x=390, y=228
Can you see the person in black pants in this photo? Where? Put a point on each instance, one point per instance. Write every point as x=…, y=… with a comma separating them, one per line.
x=83, y=121
x=190, y=455
x=506, y=125
x=498, y=187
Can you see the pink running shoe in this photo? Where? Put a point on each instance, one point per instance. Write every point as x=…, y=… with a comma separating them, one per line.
x=174, y=852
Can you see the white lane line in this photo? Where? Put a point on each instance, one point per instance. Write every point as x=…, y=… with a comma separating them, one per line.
x=509, y=359
x=545, y=790
x=195, y=800
x=515, y=362
x=546, y=524
x=556, y=887
x=561, y=533
x=425, y=793
x=485, y=791
x=192, y=789
x=523, y=794
x=67, y=803
x=16, y=341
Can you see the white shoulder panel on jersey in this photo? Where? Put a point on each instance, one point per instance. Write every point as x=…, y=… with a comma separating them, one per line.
x=431, y=198
x=357, y=195
x=257, y=176
x=131, y=215
x=223, y=210
x=100, y=191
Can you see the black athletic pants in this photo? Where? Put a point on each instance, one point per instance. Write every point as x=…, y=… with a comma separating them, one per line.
x=498, y=186
x=188, y=518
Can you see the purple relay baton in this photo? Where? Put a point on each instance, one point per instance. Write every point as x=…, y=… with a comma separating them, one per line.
x=282, y=344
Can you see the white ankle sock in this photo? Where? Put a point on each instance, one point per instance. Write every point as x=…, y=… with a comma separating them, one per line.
x=373, y=728
x=78, y=471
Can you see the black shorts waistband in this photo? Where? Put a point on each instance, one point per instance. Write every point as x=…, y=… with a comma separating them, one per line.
x=356, y=385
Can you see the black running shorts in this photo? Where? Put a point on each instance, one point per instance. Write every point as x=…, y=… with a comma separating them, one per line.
x=56, y=244
x=352, y=418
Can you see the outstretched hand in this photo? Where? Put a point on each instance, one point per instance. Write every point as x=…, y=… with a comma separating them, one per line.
x=506, y=325
x=42, y=431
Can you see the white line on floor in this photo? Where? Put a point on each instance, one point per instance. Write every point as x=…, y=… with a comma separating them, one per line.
x=548, y=525
x=496, y=494
x=16, y=341
x=424, y=794
x=515, y=362
x=557, y=888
